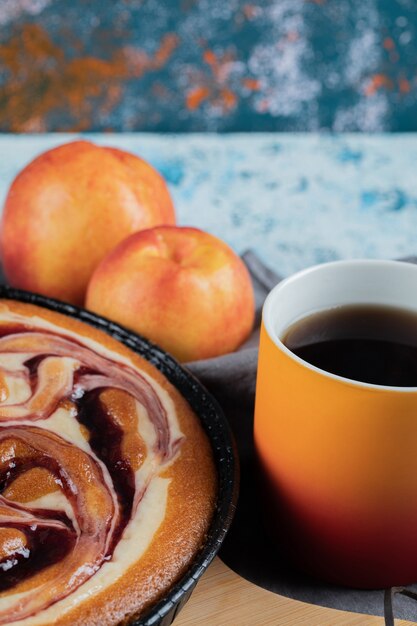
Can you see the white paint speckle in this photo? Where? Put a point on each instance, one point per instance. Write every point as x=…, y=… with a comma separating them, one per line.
x=295, y=199
x=11, y=10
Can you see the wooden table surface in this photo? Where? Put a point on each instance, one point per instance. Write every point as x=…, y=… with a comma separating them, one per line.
x=222, y=598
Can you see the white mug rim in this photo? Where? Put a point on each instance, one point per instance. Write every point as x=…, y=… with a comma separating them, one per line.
x=273, y=296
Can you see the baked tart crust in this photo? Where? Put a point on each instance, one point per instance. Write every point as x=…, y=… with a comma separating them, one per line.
x=107, y=481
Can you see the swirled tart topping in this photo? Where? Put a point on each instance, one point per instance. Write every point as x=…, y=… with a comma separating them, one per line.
x=95, y=434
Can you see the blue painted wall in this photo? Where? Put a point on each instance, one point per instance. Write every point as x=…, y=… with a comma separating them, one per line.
x=208, y=65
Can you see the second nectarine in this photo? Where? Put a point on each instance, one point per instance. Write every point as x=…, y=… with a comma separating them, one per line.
x=184, y=289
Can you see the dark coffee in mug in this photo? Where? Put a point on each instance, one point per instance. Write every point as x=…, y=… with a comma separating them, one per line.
x=368, y=343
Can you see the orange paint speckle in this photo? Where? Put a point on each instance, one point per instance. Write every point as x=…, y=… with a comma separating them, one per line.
x=114, y=95
x=252, y=84
x=263, y=106
x=43, y=80
x=167, y=47
x=195, y=97
x=214, y=86
x=292, y=35
x=376, y=83
x=209, y=57
x=250, y=11
x=228, y=99
x=389, y=43
x=404, y=85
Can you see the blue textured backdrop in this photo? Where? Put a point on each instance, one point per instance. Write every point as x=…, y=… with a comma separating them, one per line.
x=295, y=199
x=197, y=65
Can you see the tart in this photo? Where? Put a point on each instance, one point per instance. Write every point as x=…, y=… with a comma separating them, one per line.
x=107, y=480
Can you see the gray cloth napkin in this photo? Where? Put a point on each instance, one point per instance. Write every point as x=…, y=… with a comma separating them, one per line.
x=247, y=550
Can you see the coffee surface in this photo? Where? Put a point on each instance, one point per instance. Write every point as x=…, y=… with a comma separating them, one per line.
x=368, y=343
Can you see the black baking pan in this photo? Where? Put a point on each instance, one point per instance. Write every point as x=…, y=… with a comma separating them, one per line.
x=215, y=424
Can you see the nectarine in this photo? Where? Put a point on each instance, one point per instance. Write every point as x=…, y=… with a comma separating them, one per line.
x=68, y=208
x=182, y=288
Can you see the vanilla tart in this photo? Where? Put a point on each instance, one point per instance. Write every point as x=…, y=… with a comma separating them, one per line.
x=107, y=480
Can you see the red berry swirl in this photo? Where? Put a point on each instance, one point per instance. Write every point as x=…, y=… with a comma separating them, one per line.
x=47, y=554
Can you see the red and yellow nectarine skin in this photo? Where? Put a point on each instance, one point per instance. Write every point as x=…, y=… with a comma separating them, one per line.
x=68, y=208
x=181, y=287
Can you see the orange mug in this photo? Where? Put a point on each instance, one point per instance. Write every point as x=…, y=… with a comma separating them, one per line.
x=339, y=456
